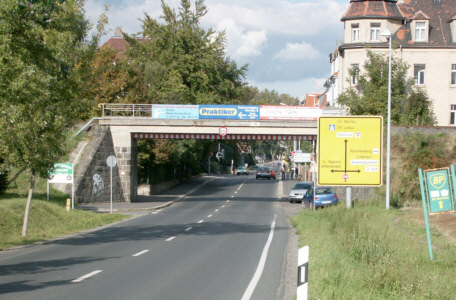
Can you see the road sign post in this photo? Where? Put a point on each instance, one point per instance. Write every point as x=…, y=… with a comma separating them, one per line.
x=62, y=173
x=303, y=273
x=111, y=161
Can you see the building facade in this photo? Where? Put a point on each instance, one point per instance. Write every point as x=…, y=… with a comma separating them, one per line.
x=423, y=36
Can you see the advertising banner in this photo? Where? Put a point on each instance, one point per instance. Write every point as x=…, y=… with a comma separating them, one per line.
x=289, y=112
x=175, y=111
x=235, y=112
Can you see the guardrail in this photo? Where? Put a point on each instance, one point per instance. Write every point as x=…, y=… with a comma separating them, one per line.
x=126, y=110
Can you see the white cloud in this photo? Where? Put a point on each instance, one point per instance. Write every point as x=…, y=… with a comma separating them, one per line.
x=295, y=51
x=242, y=43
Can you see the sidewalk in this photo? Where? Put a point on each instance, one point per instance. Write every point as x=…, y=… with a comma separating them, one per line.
x=152, y=202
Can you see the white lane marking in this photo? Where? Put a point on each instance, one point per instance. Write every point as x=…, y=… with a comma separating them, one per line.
x=170, y=239
x=200, y=221
x=235, y=192
x=256, y=277
x=227, y=200
x=232, y=196
x=209, y=216
x=188, y=229
x=222, y=206
x=87, y=276
x=157, y=211
x=217, y=210
x=140, y=253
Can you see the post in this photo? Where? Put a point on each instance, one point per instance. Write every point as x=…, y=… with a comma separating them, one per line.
x=111, y=188
x=426, y=220
x=303, y=272
x=348, y=196
x=209, y=165
x=389, y=36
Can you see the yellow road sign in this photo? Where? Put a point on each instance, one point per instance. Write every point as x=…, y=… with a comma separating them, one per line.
x=350, y=151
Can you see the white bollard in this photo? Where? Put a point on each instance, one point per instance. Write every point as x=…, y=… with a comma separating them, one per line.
x=303, y=272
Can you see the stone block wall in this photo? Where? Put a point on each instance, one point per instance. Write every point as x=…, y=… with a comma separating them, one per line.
x=93, y=175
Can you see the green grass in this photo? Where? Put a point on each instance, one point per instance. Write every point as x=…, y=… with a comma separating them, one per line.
x=47, y=220
x=368, y=252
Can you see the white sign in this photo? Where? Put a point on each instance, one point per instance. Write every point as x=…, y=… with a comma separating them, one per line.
x=289, y=112
x=63, y=173
x=302, y=157
x=111, y=161
x=219, y=155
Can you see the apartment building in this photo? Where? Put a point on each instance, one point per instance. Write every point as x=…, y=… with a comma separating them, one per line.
x=423, y=35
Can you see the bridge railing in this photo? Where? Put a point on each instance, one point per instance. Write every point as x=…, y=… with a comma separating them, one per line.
x=127, y=110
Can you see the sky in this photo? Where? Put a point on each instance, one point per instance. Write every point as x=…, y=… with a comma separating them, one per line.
x=286, y=43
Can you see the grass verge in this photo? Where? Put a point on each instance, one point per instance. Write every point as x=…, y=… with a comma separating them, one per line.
x=47, y=220
x=368, y=252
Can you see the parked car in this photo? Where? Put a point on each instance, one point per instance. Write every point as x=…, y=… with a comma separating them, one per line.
x=272, y=172
x=241, y=171
x=324, y=196
x=299, y=190
x=263, y=173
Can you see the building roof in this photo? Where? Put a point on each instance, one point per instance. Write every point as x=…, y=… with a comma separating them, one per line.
x=370, y=9
x=440, y=14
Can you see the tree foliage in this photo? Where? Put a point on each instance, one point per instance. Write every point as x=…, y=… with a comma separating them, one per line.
x=409, y=105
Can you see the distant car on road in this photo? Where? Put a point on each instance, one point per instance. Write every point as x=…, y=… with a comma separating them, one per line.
x=241, y=171
x=324, y=196
x=299, y=190
x=263, y=173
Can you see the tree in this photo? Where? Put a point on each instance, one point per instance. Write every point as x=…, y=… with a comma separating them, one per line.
x=369, y=96
x=42, y=59
x=179, y=62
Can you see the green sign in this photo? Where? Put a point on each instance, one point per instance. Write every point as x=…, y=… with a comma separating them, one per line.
x=439, y=191
x=62, y=173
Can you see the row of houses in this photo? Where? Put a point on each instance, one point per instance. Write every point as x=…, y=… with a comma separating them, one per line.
x=424, y=36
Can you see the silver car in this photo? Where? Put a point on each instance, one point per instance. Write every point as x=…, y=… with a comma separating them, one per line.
x=299, y=190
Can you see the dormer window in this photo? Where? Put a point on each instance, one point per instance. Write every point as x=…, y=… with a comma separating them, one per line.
x=420, y=31
x=375, y=32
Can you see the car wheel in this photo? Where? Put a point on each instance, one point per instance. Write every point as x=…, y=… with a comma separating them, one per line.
x=257, y=177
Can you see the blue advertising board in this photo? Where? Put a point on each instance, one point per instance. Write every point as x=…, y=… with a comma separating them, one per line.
x=235, y=112
x=175, y=111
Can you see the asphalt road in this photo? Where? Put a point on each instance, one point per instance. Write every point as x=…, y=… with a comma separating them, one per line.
x=227, y=240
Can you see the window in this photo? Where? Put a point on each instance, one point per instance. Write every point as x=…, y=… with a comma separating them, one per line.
x=419, y=74
x=453, y=74
x=420, y=31
x=453, y=114
x=354, y=73
x=355, y=32
x=375, y=32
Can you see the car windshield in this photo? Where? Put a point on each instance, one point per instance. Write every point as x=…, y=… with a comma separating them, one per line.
x=324, y=191
x=302, y=186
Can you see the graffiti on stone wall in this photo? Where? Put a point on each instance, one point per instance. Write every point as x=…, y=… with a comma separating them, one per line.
x=98, y=184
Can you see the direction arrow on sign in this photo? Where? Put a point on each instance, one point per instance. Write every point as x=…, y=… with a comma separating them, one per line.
x=350, y=151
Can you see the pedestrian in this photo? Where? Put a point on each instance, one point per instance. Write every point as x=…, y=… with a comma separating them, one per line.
x=292, y=173
x=282, y=171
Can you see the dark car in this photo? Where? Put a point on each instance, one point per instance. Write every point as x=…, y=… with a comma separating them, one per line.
x=324, y=196
x=263, y=173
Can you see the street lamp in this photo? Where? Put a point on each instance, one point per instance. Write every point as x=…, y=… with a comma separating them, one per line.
x=388, y=36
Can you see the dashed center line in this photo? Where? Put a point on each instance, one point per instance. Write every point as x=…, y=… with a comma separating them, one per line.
x=87, y=276
x=222, y=206
x=217, y=210
x=188, y=229
x=170, y=239
x=140, y=253
x=200, y=221
x=227, y=200
x=209, y=216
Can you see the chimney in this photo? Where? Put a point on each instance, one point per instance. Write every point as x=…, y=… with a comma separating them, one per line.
x=118, y=31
